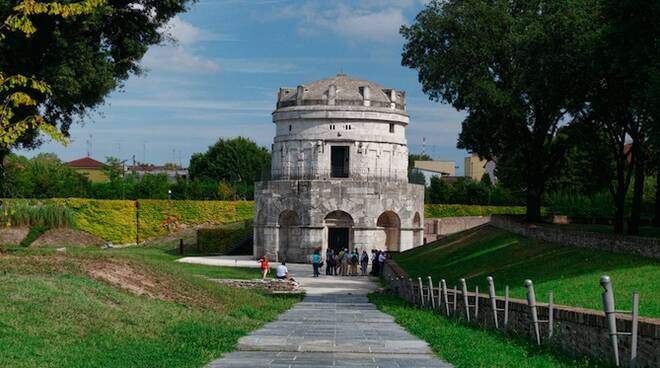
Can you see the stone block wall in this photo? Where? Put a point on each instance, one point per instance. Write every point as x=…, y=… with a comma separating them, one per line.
x=437, y=228
x=632, y=245
x=577, y=331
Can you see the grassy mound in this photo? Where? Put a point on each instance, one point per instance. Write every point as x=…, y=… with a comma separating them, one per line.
x=572, y=273
x=466, y=346
x=122, y=308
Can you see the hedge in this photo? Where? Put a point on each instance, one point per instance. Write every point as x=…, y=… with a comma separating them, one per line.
x=156, y=215
x=218, y=240
x=454, y=210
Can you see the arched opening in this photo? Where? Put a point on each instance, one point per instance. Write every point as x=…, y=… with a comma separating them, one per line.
x=417, y=229
x=339, y=225
x=289, y=233
x=390, y=223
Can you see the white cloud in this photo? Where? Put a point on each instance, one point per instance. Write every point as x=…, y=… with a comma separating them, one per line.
x=377, y=21
x=177, y=58
x=180, y=55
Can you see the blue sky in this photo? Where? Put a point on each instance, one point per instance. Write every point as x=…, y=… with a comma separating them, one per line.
x=220, y=78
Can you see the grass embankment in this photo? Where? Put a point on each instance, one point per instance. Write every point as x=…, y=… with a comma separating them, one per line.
x=80, y=309
x=466, y=346
x=572, y=273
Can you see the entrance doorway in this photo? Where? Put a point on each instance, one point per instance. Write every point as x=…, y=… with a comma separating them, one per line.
x=337, y=238
x=339, y=161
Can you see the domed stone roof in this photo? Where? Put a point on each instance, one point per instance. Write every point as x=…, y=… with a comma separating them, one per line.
x=341, y=90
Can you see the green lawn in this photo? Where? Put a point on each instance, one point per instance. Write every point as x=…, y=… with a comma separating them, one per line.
x=53, y=314
x=572, y=273
x=467, y=347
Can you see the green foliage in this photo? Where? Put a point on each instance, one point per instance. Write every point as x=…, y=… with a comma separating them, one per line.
x=36, y=214
x=453, y=210
x=514, y=68
x=43, y=176
x=239, y=161
x=156, y=215
x=573, y=273
x=465, y=190
x=112, y=220
x=471, y=347
x=218, y=240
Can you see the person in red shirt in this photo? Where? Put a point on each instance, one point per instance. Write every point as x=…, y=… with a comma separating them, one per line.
x=264, y=266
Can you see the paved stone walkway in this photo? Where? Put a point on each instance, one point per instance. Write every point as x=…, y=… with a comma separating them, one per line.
x=334, y=326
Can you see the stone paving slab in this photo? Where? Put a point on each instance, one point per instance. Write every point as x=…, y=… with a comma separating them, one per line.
x=334, y=326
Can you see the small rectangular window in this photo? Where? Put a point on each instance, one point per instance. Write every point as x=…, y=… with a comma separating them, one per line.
x=289, y=127
x=391, y=128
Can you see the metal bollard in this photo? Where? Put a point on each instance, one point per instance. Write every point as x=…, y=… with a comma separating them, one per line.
x=476, y=302
x=531, y=301
x=493, y=300
x=444, y=295
x=455, y=300
x=439, y=302
x=610, y=314
x=465, y=298
x=431, y=297
x=506, y=307
x=421, y=291
x=551, y=313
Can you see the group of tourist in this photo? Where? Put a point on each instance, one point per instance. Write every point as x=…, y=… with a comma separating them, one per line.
x=342, y=263
x=346, y=263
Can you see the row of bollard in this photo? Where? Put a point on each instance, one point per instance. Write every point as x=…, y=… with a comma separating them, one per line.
x=417, y=293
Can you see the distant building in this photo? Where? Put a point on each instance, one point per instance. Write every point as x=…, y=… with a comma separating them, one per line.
x=89, y=167
x=475, y=168
x=171, y=171
x=441, y=168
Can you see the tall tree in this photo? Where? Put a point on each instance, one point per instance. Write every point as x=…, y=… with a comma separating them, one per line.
x=624, y=56
x=238, y=161
x=511, y=66
x=72, y=62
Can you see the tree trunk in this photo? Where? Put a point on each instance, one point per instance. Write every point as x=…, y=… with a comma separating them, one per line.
x=3, y=183
x=638, y=191
x=533, y=210
x=619, y=205
x=656, y=214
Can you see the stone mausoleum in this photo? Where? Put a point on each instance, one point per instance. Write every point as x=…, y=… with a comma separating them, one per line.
x=339, y=175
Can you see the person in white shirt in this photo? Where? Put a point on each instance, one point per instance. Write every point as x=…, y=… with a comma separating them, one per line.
x=282, y=272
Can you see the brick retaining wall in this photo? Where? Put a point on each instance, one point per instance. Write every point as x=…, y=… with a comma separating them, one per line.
x=577, y=331
x=437, y=228
x=633, y=245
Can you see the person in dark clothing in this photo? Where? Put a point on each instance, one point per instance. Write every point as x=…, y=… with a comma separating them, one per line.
x=329, y=265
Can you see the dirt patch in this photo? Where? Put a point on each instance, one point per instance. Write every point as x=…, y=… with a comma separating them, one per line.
x=13, y=235
x=128, y=277
x=67, y=237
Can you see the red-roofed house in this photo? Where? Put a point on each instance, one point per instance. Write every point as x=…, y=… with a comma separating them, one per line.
x=89, y=167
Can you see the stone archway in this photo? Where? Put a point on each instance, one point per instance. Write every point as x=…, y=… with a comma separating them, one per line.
x=288, y=234
x=390, y=224
x=417, y=231
x=339, y=230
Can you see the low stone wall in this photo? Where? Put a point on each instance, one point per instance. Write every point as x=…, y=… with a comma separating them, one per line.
x=273, y=285
x=625, y=244
x=578, y=332
x=437, y=228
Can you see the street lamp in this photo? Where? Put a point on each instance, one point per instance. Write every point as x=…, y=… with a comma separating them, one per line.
x=169, y=194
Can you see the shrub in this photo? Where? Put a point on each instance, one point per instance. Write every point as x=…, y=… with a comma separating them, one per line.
x=219, y=240
x=455, y=210
x=46, y=215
